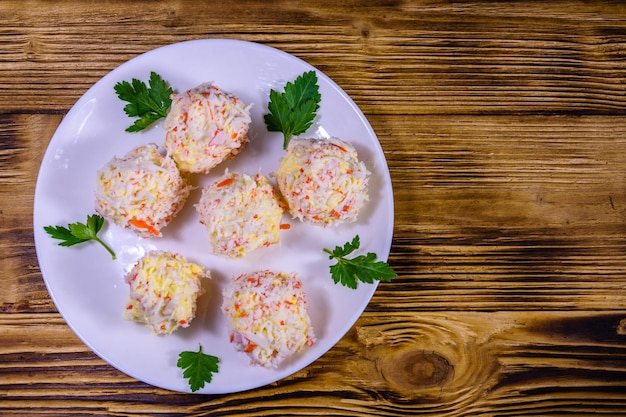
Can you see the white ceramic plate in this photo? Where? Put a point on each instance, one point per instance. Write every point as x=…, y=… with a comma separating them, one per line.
x=88, y=287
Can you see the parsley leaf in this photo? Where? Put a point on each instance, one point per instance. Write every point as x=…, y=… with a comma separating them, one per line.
x=362, y=268
x=149, y=104
x=76, y=233
x=198, y=367
x=293, y=111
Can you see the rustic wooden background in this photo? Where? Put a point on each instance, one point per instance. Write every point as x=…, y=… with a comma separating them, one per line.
x=504, y=127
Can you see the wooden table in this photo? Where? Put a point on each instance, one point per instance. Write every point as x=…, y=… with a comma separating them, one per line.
x=503, y=124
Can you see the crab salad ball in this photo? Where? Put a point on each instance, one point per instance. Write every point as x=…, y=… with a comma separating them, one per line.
x=204, y=127
x=164, y=288
x=143, y=191
x=267, y=316
x=322, y=181
x=240, y=213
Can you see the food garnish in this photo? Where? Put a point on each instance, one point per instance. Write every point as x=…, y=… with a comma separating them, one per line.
x=293, y=111
x=76, y=233
x=364, y=268
x=198, y=367
x=149, y=104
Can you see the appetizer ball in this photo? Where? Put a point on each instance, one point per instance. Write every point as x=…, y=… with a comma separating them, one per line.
x=164, y=288
x=241, y=213
x=322, y=181
x=267, y=316
x=143, y=191
x=205, y=126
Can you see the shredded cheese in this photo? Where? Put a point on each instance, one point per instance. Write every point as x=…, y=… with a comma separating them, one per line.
x=205, y=126
x=322, y=180
x=143, y=191
x=164, y=288
x=267, y=316
x=241, y=213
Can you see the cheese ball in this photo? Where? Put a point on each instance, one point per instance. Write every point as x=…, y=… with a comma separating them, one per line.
x=241, y=213
x=322, y=181
x=164, y=288
x=142, y=192
x=204, y=127
x=267, y=316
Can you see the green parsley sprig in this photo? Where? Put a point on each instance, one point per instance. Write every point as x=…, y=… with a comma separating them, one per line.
x=76, y=233
x=198, y=367
x=364, y=268
x=149, y=104
x=293, y=111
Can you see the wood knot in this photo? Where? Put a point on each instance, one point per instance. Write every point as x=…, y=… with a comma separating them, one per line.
x=416, y=370
x=362, y=28
x=31, y=49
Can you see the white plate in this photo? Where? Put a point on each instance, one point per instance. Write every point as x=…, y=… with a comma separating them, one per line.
x=87, y=286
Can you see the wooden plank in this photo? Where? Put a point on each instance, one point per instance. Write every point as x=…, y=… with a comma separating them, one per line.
x=23, y=140
x=448, y=364
x=515, y=213
x=392, y=58
x=506, y=213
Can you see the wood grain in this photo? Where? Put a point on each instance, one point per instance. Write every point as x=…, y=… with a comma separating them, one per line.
x=396, y=57
x=503, y=128
x=443, y=364
x=480, y=224
x=21, y=150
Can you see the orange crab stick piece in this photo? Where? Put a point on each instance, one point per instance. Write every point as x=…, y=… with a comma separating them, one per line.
x=142, y=224
x=225, y=182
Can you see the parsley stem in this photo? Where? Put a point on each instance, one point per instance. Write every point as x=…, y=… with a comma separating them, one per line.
x=106, y=247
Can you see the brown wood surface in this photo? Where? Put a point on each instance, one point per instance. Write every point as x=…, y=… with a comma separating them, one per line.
x=504, y=127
